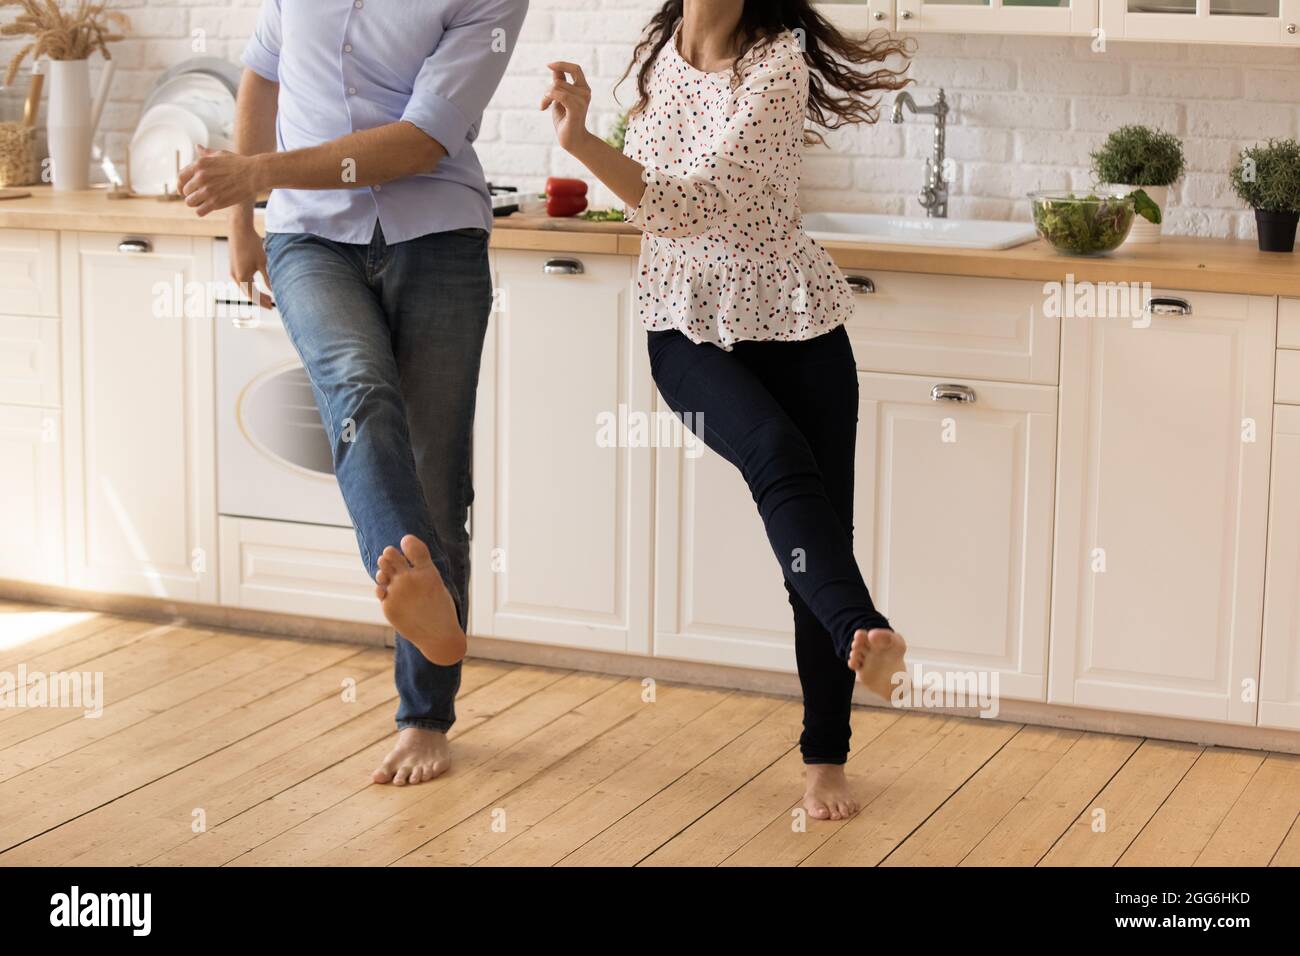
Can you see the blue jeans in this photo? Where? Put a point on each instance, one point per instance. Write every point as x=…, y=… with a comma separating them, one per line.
x=392, y=337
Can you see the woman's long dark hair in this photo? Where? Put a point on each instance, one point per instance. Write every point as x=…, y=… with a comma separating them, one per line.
x=844, y=73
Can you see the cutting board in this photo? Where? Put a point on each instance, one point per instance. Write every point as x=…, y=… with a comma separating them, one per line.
x=563, y=224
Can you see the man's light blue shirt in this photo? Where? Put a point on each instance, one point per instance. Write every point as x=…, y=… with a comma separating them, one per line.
x=349, y=65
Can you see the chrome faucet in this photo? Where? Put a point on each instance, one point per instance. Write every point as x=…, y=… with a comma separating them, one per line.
x=934, y=194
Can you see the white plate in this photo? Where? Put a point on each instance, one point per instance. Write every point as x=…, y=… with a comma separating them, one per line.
x=203, y=94
x=227, y=72
x=176, y=116
x=154, y=150
x=218, y=127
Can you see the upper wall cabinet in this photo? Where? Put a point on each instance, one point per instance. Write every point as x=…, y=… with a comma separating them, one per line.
x=997, y=16
x=965, y=16
x=1261, y=22
x=1211, y=21
x=859, y=16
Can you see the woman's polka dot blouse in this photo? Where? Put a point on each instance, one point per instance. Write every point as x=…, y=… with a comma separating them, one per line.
x=724, y=258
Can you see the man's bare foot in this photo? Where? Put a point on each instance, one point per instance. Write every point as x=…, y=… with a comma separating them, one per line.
x=877, y=655
x=419, y=755
x=416, y=602
x=827, y=796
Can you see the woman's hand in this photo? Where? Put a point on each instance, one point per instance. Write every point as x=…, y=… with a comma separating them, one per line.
x=568, y=102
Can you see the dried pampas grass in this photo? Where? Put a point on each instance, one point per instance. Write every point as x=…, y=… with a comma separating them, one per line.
x=59, y=34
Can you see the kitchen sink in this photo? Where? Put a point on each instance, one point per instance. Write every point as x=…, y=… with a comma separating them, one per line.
x=916, y=231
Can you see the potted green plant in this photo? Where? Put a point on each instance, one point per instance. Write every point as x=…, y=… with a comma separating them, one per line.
x=1267, y=178
x=1138, y=157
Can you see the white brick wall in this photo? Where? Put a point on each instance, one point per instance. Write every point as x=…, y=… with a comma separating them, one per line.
x=1027, y=110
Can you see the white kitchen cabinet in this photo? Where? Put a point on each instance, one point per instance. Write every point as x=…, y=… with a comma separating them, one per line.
x=29, y=272
x=138, y=402
x=29, y=360
x=292, y=568
x=1279, y=683
x=719, y=594
x=31, y=486
x=997, y=16
x=953, y=512
x=858, y=16
x=1269, y=22
x=1162, y=508
x=561, y=522
x=963, y=326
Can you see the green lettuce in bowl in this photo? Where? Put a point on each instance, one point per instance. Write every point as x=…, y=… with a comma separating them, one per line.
x=1090, y=225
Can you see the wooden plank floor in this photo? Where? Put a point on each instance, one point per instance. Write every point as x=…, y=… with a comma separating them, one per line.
x=219, y=748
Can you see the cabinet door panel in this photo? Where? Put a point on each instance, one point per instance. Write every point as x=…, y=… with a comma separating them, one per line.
x=29, y=360
x=1279, y=683
x=561, y=520
x=989, y=329
x=29, y=272
x=144, y=521
x=955, y=536
x=1163, y=509
x=31, y=485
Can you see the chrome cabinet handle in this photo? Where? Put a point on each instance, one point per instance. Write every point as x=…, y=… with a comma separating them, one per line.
x=948, y=392
x=861, y=285
x=906, y=14
x=878, y=15
x=135, y=245
x=1168, y=305
x=1291, y=28
x=563, y=267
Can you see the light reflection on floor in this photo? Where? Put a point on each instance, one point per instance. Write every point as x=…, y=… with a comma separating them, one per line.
x=22, y=627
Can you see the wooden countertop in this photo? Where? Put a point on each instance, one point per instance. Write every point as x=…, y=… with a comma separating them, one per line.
x=1177, y=262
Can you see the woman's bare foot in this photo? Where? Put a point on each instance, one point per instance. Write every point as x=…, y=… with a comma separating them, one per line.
x=827, y=796
x=419, y=755
x=877, y=655
x=416, y=602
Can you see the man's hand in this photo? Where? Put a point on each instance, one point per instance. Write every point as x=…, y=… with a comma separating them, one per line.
x=247, y=259
x=217, y=180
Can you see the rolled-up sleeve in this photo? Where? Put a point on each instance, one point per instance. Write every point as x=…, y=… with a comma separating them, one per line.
x=262, y=53
x=765, y=128
x=459, y=77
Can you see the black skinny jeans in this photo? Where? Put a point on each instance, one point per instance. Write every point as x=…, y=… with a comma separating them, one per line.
x=786, y=415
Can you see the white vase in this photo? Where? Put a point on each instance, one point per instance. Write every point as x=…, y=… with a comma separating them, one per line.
x=73, y=117
x=1143, y=231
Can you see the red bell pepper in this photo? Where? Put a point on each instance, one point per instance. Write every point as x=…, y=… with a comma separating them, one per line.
x=565, y=197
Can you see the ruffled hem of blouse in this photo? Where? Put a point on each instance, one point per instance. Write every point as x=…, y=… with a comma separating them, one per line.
x=808, y=294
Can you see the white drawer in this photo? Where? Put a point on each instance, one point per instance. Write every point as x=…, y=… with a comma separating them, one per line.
x=290, y=568
x=29, y=360
x=954, y=326
x=29, y=272
x=1288, y=323
x=1286, y=387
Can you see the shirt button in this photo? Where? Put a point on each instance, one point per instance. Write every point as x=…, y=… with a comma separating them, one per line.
x=347, y=48
x=352, y=91
x=358, y=4
x=377, y=188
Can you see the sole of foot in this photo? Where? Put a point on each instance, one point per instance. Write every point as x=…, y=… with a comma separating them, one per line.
x=827, y=795
x=418, y=757
x=876, y=656
x=416, y=602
